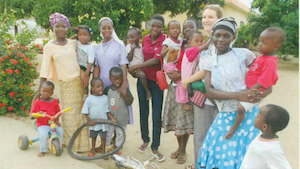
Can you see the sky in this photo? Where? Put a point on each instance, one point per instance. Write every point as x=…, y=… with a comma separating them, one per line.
x=246, y=2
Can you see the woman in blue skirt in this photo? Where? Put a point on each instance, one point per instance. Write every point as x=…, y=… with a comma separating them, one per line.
x=225, y=72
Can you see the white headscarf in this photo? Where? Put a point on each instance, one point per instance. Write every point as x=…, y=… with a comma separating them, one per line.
x=114, y=35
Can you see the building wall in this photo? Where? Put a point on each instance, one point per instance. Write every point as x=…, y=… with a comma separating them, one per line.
x=232, y=11
x=233, y=8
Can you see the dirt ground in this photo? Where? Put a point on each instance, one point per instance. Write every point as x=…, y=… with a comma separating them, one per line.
x=285, y=93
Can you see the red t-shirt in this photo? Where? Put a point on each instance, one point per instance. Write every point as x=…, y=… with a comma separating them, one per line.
x=51, y=108
x=152, y=50
x=263, y=71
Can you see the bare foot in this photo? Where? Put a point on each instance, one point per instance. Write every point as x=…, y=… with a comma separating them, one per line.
x=41, y=154
x=229, y=134
x=186, y=106
x=148, y=95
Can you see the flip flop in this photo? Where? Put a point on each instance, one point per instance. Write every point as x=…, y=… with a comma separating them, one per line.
x=91, y=154
x=159, y=157
x=143, y=149
x=190, y=166
x=174, y=155
x=181, y=159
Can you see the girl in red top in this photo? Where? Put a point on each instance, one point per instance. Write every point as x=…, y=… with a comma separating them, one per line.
x=46, y=104
x=152, y=45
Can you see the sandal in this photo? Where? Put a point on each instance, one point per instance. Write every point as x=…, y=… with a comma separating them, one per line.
x=91, y=154
x=143, y=148
x=159, y=156
x=181, y=159
x=174, y=155
x=190, y=166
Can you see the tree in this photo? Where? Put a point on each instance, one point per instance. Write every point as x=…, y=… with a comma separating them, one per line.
x=278, y=13
x=192, y=7
x=124, y=13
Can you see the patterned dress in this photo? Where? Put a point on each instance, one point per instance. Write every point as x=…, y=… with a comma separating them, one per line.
x=228, y=74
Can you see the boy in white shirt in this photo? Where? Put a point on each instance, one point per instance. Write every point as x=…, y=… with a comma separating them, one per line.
x=265, y=150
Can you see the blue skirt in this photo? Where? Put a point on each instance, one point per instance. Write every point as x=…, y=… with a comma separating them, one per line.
x=221, y=153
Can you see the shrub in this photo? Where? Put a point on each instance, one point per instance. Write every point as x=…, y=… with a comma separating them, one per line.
x=18, y=68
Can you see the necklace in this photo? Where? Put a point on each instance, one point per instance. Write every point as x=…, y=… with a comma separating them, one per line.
x=105, y=49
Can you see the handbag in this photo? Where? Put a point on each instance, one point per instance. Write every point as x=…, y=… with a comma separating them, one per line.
x=198, y=98
x=161, y=78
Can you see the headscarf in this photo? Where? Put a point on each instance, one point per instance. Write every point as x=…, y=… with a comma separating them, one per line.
x=54, y=18
x=114, y=35
x=227, y=24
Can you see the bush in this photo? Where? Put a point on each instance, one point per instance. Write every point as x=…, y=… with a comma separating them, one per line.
x=18, y=68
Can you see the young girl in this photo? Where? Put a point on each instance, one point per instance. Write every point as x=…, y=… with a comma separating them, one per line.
x=46, y=104
x=85, y=55
x=189, y=64
x=135, y=56
x=170, y=52
x=96, y=107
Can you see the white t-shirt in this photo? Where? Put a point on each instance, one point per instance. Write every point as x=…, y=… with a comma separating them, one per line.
x=85, y=54
x=173, y=57
x=138, y=56
x=97, y=108
x=265, y=154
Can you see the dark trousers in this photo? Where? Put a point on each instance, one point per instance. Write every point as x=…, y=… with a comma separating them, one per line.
x=157, y=101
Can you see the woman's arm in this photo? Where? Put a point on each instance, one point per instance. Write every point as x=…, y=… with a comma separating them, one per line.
x=96, y=72
x=197, y=76
x=221, y=95
x=149, y=63
x=253, y=95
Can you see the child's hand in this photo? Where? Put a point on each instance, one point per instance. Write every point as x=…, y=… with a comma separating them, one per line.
x=58, y=124
x=114, y=120
x=184, y=85
x=84, y=79
x=133, y=46
x=41, y=112
x=172, y=50
x=91, y=122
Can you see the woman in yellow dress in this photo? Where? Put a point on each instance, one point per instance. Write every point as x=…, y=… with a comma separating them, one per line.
x=60, y=64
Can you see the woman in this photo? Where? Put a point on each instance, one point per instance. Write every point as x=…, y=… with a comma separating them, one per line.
x=57, y=53
x=175, y=118
x=203, y=117
x=111, y=53
x=225, y=72
x=152, y=45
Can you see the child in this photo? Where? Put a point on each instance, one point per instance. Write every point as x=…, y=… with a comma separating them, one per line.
x=189, y=63
x=85, y=55
x=171, y=52
x=135, y=56
x=262, y=73
x=46, y=104
x=265, y=150
x=118, y=105
x=96, y=107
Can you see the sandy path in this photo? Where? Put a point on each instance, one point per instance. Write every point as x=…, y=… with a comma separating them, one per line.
x=285, y=93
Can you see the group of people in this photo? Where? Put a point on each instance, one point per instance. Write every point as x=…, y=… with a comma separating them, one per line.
x=226, y=127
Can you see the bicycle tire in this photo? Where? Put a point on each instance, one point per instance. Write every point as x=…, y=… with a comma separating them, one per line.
x=97, y=121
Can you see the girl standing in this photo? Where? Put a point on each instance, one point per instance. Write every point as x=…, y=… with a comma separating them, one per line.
x=85, y=55
x=225, y=72
x=175, y=118
x=205, y=115
x=56, y=54
x=152, y=45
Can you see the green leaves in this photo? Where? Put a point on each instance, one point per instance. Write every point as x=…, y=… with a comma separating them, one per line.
x=279, y=13
x=18, y=69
